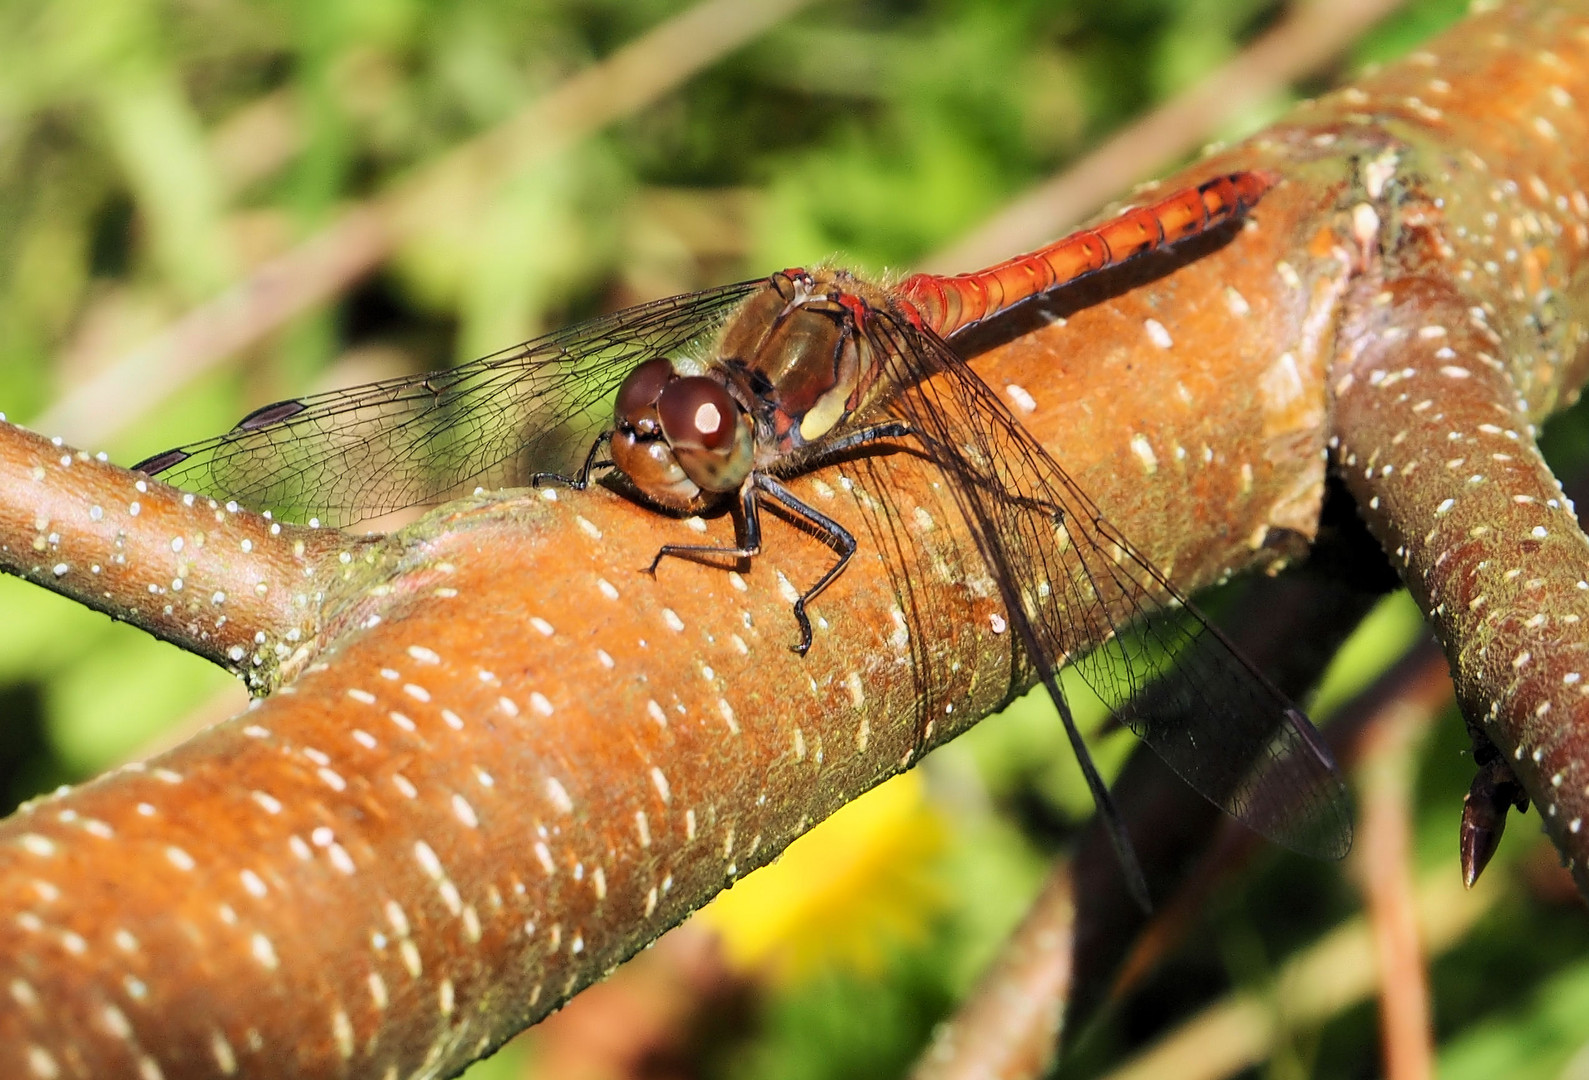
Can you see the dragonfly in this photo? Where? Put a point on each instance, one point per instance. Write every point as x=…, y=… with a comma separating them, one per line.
x=718, y=396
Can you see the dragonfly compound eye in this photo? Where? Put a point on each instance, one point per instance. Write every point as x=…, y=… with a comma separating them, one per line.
x=710, y=433
x=636, y=405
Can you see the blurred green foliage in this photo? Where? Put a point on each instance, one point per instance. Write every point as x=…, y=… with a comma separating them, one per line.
x=152, y=152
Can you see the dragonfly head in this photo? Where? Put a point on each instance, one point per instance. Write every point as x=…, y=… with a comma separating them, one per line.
x=682, y=439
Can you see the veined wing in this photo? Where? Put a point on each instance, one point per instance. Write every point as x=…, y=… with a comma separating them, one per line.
x=1078, y=591
x=359, y=452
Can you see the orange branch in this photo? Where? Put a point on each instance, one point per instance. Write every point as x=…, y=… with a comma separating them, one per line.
x=507, y=760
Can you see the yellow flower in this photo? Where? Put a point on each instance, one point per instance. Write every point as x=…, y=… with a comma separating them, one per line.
x=844, y=895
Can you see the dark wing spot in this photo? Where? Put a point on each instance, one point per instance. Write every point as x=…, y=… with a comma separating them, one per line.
x=266, y=415
x=154, y=466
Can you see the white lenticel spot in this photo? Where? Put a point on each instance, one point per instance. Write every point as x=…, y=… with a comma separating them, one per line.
x=428, y=861
x=42, y=1064
x=253, y=883
x=1144, y=452
x=1022, y=400
x=857, y=691
x=556, y=792
x=41, y=846
x=787, y=589
x=264, y=951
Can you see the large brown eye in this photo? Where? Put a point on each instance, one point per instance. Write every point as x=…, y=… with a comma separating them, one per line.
x=640, y=390
x=697, y=413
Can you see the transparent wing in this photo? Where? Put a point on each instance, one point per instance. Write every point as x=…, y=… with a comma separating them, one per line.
x=1079, y=592
x=363, y=451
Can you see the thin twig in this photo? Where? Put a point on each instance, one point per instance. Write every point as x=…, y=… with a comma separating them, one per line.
x=1384, y=871
x=1011, y=1029
x=1322, y=982
x=1314, y=33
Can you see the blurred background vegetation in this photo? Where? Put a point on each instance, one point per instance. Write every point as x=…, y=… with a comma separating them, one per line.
x=156, y=153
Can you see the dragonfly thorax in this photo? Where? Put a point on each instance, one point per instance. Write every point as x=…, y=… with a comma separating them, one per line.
x=798, y=344
x=683, y=440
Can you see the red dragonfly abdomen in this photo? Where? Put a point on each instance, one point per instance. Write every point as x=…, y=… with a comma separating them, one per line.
x=948, y=304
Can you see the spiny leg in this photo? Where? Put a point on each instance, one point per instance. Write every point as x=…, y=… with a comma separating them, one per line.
x=709, y=554
x=836, y=536
x=894, y=429
x=581, y=480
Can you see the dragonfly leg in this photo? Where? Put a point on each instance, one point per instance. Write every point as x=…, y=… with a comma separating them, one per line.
x=894, y=429
x=580, y=480
x=836, y=536
x=710, y=554
x=833, y=534
x=936, y=450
